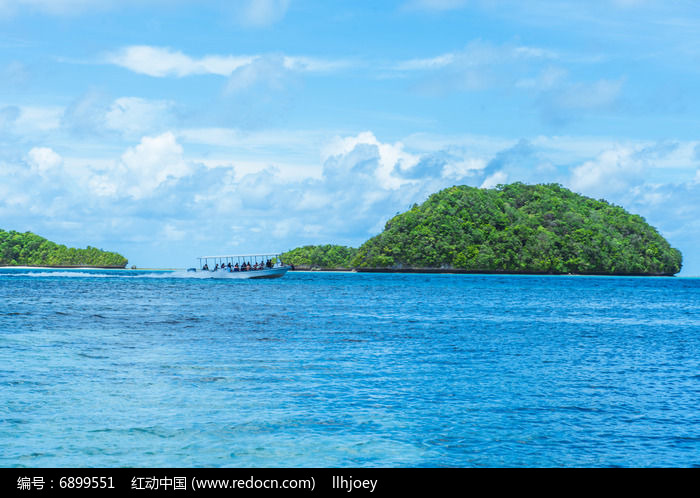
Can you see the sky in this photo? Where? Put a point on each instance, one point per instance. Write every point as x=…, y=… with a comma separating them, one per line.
x=171, y=129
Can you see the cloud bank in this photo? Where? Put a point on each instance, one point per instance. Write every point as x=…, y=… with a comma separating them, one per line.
x=154, y=187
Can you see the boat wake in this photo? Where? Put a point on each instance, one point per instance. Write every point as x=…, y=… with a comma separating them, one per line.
x=96, y=274
x=116, y=274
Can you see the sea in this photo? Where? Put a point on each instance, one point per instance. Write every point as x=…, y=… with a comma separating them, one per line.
x=122, y=368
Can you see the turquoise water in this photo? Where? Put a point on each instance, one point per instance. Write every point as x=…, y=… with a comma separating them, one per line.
x=318, y=369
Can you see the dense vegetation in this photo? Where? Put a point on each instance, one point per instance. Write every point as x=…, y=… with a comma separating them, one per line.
x=325, y=256
x=520, y=228
x=28, y=249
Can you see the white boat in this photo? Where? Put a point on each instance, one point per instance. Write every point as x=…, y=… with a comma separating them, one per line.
x=243, y=266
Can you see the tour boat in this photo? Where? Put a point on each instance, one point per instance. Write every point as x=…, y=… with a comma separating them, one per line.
x=237, y=266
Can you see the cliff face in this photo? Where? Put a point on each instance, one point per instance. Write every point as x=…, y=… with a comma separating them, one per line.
x=28, y=249
x=520, y=228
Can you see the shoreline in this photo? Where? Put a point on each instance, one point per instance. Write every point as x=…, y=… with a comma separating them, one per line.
x=459, y=271
x=306, y=269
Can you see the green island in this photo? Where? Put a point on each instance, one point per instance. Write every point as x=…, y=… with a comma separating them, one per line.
x=29, y=249
x=322, y=256
x=515, y=228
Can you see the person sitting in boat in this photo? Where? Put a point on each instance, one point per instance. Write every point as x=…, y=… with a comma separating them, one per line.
x=236, y=267
x=229, y=266
x=216, y=267
x=205, y=267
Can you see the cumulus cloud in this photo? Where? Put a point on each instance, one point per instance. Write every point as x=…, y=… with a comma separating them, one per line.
x=612, y=171
x=141, y=169
x=43, y=160
x=621, y=168
x=390, y=158
x=154, y=161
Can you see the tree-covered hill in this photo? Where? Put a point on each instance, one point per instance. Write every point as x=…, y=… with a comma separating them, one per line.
x=520, y=228
x=28, y=249
x=323, y=256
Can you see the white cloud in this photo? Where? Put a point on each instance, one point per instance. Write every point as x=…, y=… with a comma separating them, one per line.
x=142, y=169
x=494, y=179
x=43, y=160
x=389, y=156
x=161, y=62
x=613, y=170
x=152, y=162
x=426, y=64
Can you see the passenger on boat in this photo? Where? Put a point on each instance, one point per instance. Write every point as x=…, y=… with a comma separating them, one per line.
x=205, y=267
x=236, y=267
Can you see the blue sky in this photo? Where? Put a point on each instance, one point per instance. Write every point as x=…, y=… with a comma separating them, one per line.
x=170, y=129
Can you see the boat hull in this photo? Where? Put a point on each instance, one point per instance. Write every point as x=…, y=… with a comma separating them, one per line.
x=253, y=274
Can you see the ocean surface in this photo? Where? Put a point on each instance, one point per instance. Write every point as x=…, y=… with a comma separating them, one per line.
x=124, y=368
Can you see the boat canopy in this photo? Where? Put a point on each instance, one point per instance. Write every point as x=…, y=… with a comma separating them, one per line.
x=241, y=258
x=258, y=255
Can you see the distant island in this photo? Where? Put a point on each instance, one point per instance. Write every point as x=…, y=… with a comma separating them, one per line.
x=29, y=249
x=515, y=228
